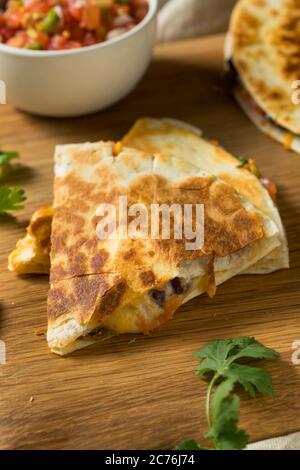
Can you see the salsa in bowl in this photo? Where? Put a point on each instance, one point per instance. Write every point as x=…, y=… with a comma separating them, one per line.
x=67, y=24
x=74, y=81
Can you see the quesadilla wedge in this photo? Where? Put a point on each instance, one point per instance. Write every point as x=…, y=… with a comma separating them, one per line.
x=262, y=49
x=173, y=138
x=135, y=285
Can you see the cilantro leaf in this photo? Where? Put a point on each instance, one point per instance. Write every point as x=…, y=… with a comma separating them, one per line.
x=224, y=431
x=11, y=199
x=190, y=444
x=219, y=354
x=223, y=390
x=6, y=157
x=220, y=359
x=252, y=379
x=250, y=348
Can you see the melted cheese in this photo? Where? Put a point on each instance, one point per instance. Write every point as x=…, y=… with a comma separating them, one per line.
x=31, y=255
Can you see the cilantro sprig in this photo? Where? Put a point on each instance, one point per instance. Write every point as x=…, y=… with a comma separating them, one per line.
x=6, y=157
x=11, y=198
x=220, y=359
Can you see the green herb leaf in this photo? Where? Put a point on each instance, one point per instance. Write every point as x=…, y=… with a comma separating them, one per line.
x=250, y=348
x=11, y=199
x=252, y=379
x=220, y=359
x=190, y=444
x=6, y=157
x=218, y=355
x=243, y=161
x=223, y=390
x=36, y=46
x=224, y=431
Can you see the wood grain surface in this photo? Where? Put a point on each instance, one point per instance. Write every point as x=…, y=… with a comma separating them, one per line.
x=143, y=394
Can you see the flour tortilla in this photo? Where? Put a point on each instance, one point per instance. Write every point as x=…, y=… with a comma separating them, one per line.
x=288, y=139
x=263, y=47
x=174, y=138
x=136, y=285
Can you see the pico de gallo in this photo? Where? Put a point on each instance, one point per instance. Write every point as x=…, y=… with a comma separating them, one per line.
x=67, y=24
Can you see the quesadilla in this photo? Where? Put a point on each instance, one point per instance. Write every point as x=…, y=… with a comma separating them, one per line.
x=262, y=49
x=175, y=139
x=135, y=285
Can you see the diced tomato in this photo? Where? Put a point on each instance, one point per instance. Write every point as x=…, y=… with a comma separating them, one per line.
x=6, y=34
x=89, y=39
x=72, y=45
x=79, y=23
x=141, y=12
x=76, y=12
x=270, y=187
x=57, y=42
x=14, y=21
x=43, y=39
x=140, y=8
x=20, y=39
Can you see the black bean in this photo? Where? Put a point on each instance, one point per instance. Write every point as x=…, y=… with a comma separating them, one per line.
x=177, y=286
x=158, y=296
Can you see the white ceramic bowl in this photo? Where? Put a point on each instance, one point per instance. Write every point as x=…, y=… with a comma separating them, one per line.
x=78, y=81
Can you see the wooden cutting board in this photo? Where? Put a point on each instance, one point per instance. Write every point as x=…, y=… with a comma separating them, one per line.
x=143, y=394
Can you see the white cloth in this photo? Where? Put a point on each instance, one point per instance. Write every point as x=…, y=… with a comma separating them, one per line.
x=290, y=442
x=179, y=19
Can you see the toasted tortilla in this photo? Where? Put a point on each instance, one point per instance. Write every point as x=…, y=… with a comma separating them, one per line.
x=175, y=139
x=263, y=47
x=32, y=252
x=288, y=139
x=136, y=285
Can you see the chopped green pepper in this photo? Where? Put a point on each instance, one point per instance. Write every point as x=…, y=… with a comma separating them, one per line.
x=35, y=46
x=49, y=24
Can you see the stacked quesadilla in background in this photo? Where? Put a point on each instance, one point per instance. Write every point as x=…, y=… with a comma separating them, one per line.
x=136, y=285
x=263, y=51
